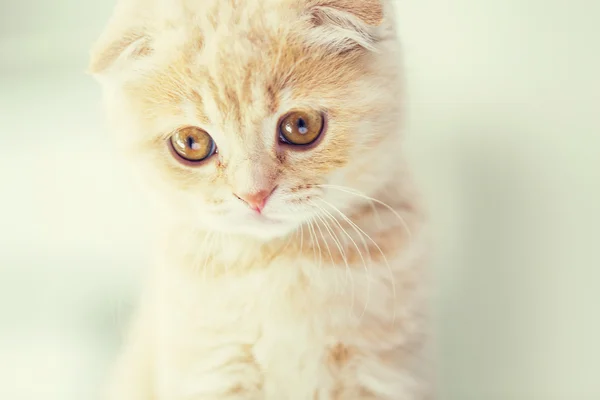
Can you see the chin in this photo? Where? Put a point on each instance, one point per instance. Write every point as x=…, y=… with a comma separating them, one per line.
x=257, y=226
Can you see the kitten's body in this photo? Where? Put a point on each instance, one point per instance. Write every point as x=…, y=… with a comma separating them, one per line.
x=319, y=296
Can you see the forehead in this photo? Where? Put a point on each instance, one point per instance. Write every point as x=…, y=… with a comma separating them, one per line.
x=237, y=65
x=240, y=80
x=246, y=56
x=228, y=15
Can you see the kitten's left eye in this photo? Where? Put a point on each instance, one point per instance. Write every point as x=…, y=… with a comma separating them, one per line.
x=301, y=128
x=193, y=144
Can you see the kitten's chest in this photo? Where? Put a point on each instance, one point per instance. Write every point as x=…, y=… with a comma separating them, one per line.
x=295, y=292
x=279, y=322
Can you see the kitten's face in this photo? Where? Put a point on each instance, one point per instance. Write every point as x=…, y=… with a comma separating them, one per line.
x=250, y=130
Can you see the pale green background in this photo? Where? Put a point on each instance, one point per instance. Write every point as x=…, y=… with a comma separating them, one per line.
x=505, y=136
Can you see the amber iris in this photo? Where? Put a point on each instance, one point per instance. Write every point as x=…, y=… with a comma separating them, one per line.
x=193, y=144
x=301, y=128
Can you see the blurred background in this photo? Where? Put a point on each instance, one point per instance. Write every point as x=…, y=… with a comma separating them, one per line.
x=504, y=133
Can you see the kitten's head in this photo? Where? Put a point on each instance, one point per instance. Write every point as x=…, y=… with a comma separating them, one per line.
x=254, y=117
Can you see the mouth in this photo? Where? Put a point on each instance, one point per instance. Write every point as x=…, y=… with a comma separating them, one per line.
x=263, y=219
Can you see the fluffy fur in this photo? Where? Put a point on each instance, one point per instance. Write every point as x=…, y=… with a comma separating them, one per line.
x=320, y=297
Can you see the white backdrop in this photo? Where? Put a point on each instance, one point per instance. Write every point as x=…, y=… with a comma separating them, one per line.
x=505, y=136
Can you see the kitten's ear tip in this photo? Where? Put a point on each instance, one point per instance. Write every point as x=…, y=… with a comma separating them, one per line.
x=100, y=59
x=118, y=52
x=342, y=24
x=97, y=64
x=370, y=12
x=92, y=68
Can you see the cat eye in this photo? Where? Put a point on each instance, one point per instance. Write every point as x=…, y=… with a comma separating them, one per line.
x=301, y=128
x=193, y=144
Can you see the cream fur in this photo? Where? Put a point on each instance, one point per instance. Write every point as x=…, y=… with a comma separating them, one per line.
x=322, y=297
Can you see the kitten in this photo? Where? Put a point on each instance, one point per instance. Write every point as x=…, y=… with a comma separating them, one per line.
x=290, y=265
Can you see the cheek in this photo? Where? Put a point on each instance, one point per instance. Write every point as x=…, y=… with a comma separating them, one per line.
x=179, y=184
x=318, y=163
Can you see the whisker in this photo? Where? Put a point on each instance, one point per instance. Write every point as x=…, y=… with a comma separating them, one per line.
x=366, y=268
x=323, y=237
x=301, y=238
x=337, y=242
x=362, y=232
x=317, y=241
x=326, y=246
x=364, y=196
x=312, y=240
x=361, y=235
x=356, y=228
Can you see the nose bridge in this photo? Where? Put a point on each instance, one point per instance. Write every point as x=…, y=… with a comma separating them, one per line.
x=252, y=170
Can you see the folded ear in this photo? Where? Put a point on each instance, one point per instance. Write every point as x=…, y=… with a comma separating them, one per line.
x=124, y=40
x=343, y=24
x=119, y=51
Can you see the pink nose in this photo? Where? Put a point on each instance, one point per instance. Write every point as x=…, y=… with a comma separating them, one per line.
x=256, y=200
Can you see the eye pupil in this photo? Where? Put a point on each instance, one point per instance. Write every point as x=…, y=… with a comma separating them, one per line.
x=190, y=142
x=302, y=129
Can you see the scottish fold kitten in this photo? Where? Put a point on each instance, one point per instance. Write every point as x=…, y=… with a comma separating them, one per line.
x=292, y=248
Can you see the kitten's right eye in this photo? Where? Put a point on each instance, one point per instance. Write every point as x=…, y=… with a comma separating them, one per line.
x=193, y=144
x=301, y=128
